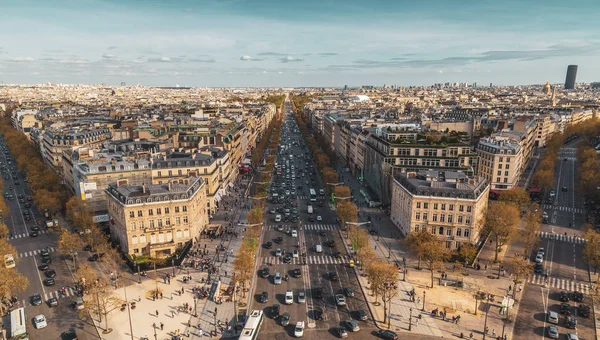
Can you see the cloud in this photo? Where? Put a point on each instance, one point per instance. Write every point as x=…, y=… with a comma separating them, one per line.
x=19, y=59
x=397, y=58
x=199, y=60
x=109, y=56
x=165, y=60
x=249, y=58
x=112, y=47
x=272, y=54
x=327, y=54
x=290, y=59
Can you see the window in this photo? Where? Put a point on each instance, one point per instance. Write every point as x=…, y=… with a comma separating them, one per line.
x=500, y=159
x=150, y=212
x=460, y=219
x=185, y=220
x=418, y=205
x=158, y=211
x=434, y=218
x=177, y=220
x=176, y=209
x=508, y=159
x=448, y=231
x=160, y=174
x=433, y=230
x=505, y=173
x=140, y=214
x=166, y=210
x=507, y=166
x=467, y=219
x=443, y=206
x=151, y=224
x=499, y=166
x=499, y=172
x=184, y=208
x=160, y=223
x=461, y=208
x=141, y=224
x=418, y=216
x=425, y=205
x=467, y=232
x=497, y=179
x=451, y=207
x=179, y=172
x=443, y=218
x=441, y=231
x=167, y=221
x=435, y=206
x=134, y=239
x=170, y=173
x=132, y=214
x=132, y=225
x=449, y=218
x=424, y=216
x=459, y=232
x=469, y=208
x=505, y=180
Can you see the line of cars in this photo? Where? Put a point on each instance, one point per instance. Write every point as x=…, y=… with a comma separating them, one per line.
x=566, y=309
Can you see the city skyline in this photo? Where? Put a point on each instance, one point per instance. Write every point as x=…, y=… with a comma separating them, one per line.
x=312, y=43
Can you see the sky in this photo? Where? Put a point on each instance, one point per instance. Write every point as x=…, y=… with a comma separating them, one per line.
x=274, y=43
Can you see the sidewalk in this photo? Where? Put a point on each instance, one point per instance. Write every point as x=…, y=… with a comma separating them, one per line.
x=455, y=295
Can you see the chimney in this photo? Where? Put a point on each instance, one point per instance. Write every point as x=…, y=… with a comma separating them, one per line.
x=144, y=188
x=122, y=182
x=170, y=185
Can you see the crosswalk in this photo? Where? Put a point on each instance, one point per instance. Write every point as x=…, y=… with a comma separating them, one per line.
x=319, y=198
x=561, y=237
x=35, y=252
x=287, y=227
x=561, y=208
x=323, y=259
x=69, y=292
x=18, y=236
x=561, y=284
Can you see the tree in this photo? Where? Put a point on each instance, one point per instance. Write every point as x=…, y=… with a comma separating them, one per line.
x=12, y=282
x=467, y=252
x=591, y=250
x=342, y=192
x=4, y=233
x=415, y=241
x=243, y=265
x=501, y=223
x=389, y=288
x=96, y=239
x=434, y=255
x=517, y=196
x=346, y=212
x=79, y=213
x=69, y=244
x=105, y=302
x=519, y=267
x=375, y=275
x=47, y=200
x=531, y=227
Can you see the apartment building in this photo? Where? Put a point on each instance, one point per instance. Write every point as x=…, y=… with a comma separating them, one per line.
x=25, y=120
x=545, y=128
x=157, y=219
x=448, y=204
x=501, y=159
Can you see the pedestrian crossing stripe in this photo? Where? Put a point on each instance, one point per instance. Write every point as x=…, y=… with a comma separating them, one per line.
x=14, y=237
x=34, y=252
x=561, y=284
x=69, y=292
x=306, y=197
x=561, y=237
x=323, y=259
x=561, y=208
x=287, y=227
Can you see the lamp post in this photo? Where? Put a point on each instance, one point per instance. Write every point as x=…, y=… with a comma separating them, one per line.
x=195, y=305
x=128, y=312
x=138, y=271
x=215, y=315
x=486, y=317
x=404, y=273
x=410, y=321
x=423, y=301
x=173, y=264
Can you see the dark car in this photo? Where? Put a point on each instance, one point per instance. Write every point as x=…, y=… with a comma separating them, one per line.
x=571, y=322
x=43, y=267
x=330, y=243
x=341, y=332
x=269, y=245
x=49, y=282
x=577, y=296
x=27, y=205
x=362, y=315
x=33, y=233
x=36, y=299
x=275, y=311
x=285, y=319
x=93, y=258
x=297, y=273
x=35, y=228
x=583, y=310
x=287, y=259
x=333, y=276
x=52, y=302
x=264, y=297
x=348, y=291
x=318, y=314
x=311, y=219
x=264, y=273
x=46, y=260
x=318, y=292
x=279, y=239
x=386, y=334
x=564, y=296
x=322, y=233
x=539, y=268
x=565, y=309
x=50, y=273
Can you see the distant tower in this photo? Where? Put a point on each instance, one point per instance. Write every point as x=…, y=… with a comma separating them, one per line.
x=547, y=89
x=553, y=96
x=571, y=76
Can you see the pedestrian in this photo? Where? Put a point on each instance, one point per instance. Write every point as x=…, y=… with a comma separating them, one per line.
x=172, y=314
x=162, y=326
x=161, y=295
x=157, y=313
x=154, y=325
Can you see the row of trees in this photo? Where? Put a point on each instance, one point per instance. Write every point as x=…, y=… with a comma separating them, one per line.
x=12, y=282
x=544, y=176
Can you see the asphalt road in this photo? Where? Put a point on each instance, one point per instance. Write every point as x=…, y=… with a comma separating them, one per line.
x=317, y=271
x=563, y=263
x=62, y=317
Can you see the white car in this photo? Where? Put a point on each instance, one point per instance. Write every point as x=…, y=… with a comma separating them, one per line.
x=340, y=300
x=319, y=218
x=40, y=321
x=539, y=258
x=289, y=297
x=299, y=330
x=301, y=297
x=278, y=218
x=294, y=233
x=277, y=278
x=296, y=253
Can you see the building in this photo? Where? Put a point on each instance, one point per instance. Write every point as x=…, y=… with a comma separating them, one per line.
x=157, y=219
x=448, y=204
x=502, y=159
x=571, y=77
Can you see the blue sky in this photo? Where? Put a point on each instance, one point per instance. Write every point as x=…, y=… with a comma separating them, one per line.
x=297, y=43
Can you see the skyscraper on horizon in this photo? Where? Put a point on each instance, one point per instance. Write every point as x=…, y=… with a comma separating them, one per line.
x=571, y=76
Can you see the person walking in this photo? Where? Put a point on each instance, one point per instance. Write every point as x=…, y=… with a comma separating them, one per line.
x=162, y=326
x=157, y=313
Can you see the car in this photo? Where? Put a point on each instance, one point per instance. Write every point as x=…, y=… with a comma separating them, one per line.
x=50, y=273
x=289, y=297
x=340, y=300
x=341, y=332
x=287, y=259
x=296, y=253
x=319, y=218
x=552, y=193
x=583, y=310
x=264, y=273
x=349, y=291
x=278, y=218
x=278, y=252
x=279, y=227
x=565, y=159
x=552, y=332
x=553, y=317
x=35, y=228
x=352, y=325
x=297, y=273
x=301, y=297
x=33, y=233
x=93, y=258
x=571, y=322
x=322, y=233
x=317, y=292
x=46, y=260
x=542, y=251
x=49, y=282
x=572, y=336
x=563, y=188
x=285, y=319
x=271, y=211
x=539, y=268
x=264, y=297
x=275, y=311
x=269, y=245
x=577, y=296
x=40, y=321
x=311, y=219
x=330, y=243
x=539, y=258
x=36, y=299
x=294, y=233
x=333, y=276
x=277, y=278
x=279, y=239
x=43, y=267
x=52, y=302
x=386, y=334
x=362, y=315
x=299, y=329
x=564, y=296
x=565, y=309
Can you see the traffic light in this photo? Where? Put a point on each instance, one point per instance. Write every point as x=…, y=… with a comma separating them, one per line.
x=332, y=198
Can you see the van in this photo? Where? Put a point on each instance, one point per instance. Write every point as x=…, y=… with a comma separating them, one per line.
x=310, y=209
x=553, y=317
x=319, y=248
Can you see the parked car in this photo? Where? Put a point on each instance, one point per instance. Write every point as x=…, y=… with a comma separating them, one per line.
x=387, y=334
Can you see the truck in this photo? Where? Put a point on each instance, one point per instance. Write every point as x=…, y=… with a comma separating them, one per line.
x=310, y=209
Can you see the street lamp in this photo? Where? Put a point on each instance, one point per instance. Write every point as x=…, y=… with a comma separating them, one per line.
x=423, y=309
x=215, y=315
x=485, y=329
x=195, y=305
x=404, y=273
x=173, y=264
x=138, y=271
x=410, y=321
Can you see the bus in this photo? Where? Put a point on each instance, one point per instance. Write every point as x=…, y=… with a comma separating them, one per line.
x=313, y=195
x=252, y=326
x=18, y=323
x=9, y=261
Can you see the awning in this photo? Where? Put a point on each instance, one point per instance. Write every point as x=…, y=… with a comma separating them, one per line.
x=230, y=185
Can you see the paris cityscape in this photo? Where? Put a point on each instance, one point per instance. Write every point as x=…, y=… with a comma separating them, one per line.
x=264, y=170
